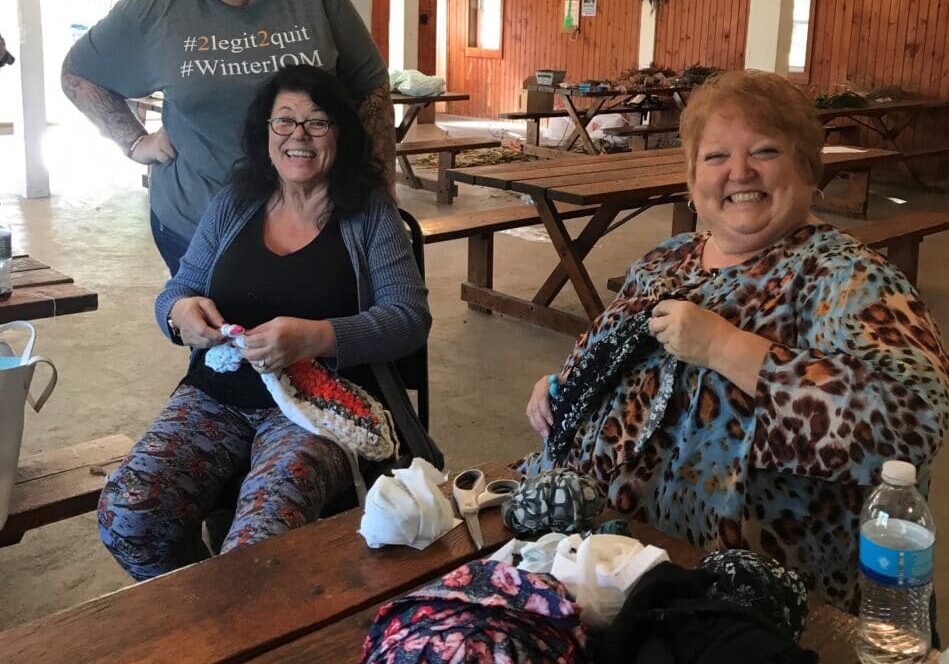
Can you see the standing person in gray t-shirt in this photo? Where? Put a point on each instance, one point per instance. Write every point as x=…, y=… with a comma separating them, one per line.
x=209, y=57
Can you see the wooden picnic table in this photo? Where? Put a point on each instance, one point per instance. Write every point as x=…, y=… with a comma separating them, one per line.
x=615, y=182
x=601, y=101
x=308, y=595
x=41, y=292
x=888, y=120
x=417, y=104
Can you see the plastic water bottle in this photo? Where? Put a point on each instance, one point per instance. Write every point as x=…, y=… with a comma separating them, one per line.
x=897, y=535
x=6, y=264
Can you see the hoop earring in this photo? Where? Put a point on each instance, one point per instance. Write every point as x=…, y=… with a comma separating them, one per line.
x=820, y=192
x=691, y=206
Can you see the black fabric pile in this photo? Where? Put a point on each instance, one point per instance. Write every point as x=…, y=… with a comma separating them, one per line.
x=735, y=607
x=597, y=371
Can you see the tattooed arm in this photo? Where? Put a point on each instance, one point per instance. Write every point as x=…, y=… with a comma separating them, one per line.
x=111, y=114
x=378, y=118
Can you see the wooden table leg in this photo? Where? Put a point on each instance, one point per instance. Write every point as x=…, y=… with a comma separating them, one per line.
x=889, y=135
x=580, y=123
x=587, y=239
x=407, y=120
x=532, y=135
x=571, y=261
x=447, y=190
x=683, y=219
x=904, y=254
x=408, y=175
x=481, y=265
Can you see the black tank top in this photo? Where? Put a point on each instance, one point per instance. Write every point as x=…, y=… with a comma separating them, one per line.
x=251, y=285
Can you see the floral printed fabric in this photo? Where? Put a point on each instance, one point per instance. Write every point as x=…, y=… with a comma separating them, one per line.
x=760, y=584
x=484, y=612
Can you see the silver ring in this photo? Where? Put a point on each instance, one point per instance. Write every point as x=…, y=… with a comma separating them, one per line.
x=260, y=364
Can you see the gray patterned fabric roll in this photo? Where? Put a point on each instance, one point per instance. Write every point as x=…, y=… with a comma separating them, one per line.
x=560, y=501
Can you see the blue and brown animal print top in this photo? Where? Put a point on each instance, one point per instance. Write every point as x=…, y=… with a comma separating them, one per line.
x=857, y=374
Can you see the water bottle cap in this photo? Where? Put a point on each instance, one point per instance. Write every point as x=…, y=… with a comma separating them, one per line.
x=899, y=473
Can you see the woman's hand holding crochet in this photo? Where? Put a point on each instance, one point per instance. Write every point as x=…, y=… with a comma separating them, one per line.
x=703, y=338
x=689, y=332
x=280, y=342
x=538, y=408
x=198, y=321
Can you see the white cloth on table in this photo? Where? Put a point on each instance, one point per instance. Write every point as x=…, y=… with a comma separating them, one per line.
x=407, y=508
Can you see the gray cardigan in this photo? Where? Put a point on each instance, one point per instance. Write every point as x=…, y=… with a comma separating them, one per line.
x=393, y=318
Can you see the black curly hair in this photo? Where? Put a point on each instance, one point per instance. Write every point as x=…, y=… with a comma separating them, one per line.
x=352, y=176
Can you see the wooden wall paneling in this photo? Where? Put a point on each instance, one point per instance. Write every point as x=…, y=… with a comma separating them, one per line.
x=943, y=65
x=532, y=40
x=890, y=42
x=912, y=59
x=708, y=32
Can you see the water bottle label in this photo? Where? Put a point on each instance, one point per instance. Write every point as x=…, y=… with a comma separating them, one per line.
x=896, y=567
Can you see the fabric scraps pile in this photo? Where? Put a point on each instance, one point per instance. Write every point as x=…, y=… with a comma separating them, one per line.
x=600, y=368
x=407, y=508
x=736, y=606
x=560, y=501
x=481, y=613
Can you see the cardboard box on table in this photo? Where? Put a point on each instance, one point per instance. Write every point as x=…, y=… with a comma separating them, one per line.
x=532, y=101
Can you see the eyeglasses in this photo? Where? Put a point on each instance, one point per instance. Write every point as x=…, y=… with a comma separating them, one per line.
x=286, y=126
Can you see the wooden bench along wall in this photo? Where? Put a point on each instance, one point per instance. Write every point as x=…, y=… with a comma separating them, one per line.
x=60, y=484
x=900, y=236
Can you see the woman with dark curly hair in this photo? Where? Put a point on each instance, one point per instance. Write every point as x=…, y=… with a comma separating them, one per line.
x=304, y=252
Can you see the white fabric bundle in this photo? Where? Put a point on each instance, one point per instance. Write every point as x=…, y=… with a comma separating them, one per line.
x=407, y=508
x=601, y=570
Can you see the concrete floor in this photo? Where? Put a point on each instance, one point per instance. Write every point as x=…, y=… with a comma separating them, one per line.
x=116, y=369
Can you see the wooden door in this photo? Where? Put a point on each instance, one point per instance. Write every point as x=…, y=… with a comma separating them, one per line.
x=380, y=27
x=426, y=48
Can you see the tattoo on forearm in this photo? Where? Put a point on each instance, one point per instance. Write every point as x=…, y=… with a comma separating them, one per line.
x=378, y=118
x=108, y=111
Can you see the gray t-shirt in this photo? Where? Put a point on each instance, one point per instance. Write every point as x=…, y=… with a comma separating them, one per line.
x=209, y=59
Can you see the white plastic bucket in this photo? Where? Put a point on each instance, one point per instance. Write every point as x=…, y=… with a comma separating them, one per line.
x=16, y=374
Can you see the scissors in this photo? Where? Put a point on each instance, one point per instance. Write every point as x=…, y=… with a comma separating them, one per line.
x=472, y=495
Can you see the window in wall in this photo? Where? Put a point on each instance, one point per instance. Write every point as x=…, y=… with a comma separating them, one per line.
x=485, y=18
x=801, y=35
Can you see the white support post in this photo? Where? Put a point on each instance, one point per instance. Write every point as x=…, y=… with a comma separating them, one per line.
x=29, y=121
x=403, y=40
x=769, y=35
x=647, y=34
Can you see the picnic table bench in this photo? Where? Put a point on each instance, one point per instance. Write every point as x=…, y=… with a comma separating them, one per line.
x=303, y=596
x=60, y=484
x=447, y=150
x=39, y=291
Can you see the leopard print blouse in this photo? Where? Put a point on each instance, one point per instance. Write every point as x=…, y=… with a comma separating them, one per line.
x=856, y=375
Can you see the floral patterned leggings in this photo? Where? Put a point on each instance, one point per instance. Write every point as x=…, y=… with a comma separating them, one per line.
x=151, y=509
